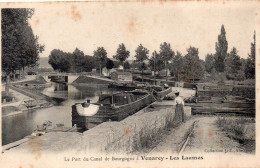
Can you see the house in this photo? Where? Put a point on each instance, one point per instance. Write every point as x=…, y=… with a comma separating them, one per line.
x=106, y=72
x=120, y=67
x=121, y=76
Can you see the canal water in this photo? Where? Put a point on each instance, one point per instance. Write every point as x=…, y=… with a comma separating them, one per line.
x=19, y=126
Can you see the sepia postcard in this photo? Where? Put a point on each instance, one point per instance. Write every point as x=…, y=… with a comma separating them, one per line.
x=127, y=84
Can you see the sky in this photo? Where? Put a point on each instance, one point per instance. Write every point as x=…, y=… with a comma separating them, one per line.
x=90, y=25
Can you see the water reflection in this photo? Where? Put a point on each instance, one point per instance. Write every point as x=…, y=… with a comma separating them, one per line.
x=74, y=92
x=18, y=126
x=15, y=128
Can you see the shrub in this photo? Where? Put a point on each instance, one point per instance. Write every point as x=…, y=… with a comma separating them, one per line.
x=240, y=76
x=8, y=97
x=236, y=127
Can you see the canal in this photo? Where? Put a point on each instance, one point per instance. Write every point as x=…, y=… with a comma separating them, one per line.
x=19, y=126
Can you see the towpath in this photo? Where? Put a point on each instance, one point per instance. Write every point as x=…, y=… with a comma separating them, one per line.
x=204, y=137
x=98, y=77
x=208, y=138
x=175, y=140
x=19, y=96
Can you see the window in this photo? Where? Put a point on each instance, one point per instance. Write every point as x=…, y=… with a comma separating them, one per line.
x=106, y=100
x=120, y=99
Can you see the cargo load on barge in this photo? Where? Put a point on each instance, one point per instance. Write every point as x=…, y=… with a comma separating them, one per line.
x=158, y=91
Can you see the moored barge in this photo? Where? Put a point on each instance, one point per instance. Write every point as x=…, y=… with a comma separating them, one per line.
x=110, y=107
x=159, y=91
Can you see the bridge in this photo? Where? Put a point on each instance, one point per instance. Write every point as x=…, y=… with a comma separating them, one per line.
x=77, y=78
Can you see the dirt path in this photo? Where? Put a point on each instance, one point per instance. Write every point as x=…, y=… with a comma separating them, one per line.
x=205, y=137
x=175, y=140
x=208, y=138
x=20, y=97
x=184, y=92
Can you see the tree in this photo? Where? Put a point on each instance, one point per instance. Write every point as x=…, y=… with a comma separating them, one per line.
x=250, y=69
x=221, y=51
x=155, y=63
x=88, y=63
x=240, y=76
x=209, y=63
x=121, y=54
x=194, y=67
x=142, y=66
x=214, y=74
x=176, y=67
x=243, y=64
x=60, y=60
x=110, y=64
x=78, y=60
x=101, y=55
x=141, y=54
x=116, y=64
x=54, y=58
x=127, y=65
x=166, y=54
x=232, y=64
x=71, y=62
x=20, y=47
x=65, y=64
x=250, y=62
x=252, y=55
x=31, y=48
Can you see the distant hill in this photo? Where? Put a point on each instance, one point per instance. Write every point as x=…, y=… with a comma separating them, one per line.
x=43, y=61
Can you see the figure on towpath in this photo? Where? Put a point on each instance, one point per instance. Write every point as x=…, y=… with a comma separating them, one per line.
x=179, y=110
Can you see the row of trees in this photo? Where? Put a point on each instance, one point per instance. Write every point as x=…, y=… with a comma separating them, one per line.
x=186, y=67
x=71, y=62
x=79, y=62
x=20, y=47
x=230, y=64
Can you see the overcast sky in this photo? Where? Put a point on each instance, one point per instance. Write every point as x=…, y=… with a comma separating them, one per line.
x=87, y=26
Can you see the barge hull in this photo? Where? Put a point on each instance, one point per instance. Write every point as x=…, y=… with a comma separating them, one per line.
x=110, y=114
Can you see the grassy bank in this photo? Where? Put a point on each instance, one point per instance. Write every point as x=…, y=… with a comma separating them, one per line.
x=8, y=109
x=35, y=93
x=241, y=129
x=145, y=139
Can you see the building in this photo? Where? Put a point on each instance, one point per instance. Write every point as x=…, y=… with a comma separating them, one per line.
x=121, y=76
x=106, y=72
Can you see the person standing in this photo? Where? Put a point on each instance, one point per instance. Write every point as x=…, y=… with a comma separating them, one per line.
x=179, y=108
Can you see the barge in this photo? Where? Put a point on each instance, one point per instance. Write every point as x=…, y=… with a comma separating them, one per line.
x=110, y=107
x=159, y=91
x=125, y=86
